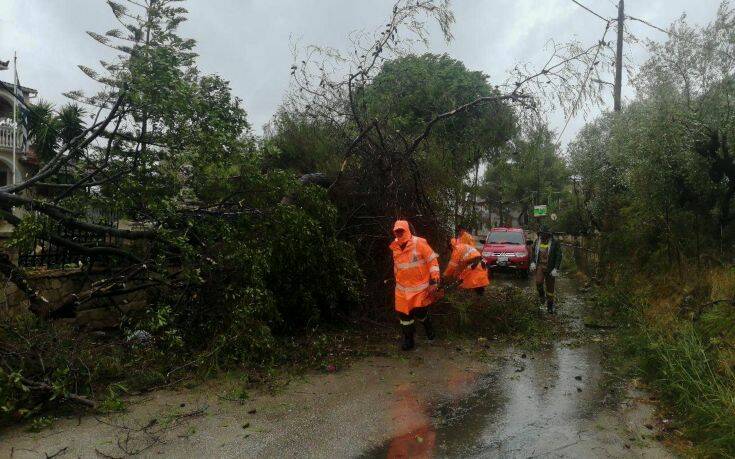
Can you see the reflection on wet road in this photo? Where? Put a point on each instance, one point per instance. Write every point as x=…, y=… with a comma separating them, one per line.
x=415, y=433
x=539, y=404
x=535, y=407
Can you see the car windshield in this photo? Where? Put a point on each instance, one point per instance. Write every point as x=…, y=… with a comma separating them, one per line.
x=505, y=237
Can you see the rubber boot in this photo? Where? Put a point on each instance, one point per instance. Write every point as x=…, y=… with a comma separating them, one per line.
x=408, y=343
x=550, y=306
x=541, y=293
x=429, y=329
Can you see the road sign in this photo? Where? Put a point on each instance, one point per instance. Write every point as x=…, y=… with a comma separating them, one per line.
x=539, y=211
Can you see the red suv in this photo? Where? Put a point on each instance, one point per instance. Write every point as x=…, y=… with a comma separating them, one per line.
x=507, y=248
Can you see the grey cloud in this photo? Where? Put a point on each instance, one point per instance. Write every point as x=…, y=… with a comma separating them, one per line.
x=248, y=41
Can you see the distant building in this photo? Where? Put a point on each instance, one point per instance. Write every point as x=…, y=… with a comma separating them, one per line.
x=511, y=217
x=491, y=216
x=23, y=156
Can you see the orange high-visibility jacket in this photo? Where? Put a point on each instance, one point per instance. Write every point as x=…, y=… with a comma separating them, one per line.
x=467, y=238
x=414, y=266
x=462, y=256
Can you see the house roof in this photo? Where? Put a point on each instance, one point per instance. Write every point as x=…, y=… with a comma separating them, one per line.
x=25, y=89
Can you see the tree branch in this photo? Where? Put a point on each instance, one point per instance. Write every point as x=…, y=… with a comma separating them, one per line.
x=18, y=277
x=65, y=217
x=462, y=108
x=74, y=144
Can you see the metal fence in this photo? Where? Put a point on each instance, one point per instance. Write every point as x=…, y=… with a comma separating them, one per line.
x=45, y=254
x=583, y=251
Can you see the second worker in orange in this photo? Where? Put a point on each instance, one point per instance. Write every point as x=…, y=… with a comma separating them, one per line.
x=466, y=265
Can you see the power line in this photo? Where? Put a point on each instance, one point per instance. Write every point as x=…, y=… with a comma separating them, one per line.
x=589, y=10
x=648, y=24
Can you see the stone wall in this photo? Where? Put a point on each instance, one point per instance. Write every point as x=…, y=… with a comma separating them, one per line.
x=57, y=284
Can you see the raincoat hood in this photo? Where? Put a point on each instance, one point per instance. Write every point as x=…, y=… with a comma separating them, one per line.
x=403, y=224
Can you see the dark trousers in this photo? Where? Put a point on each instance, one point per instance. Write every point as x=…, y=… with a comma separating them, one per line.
x=544, y=283
x=419, y=314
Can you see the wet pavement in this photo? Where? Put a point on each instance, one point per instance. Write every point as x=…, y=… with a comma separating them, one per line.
x=549, y=403
x=449, y=398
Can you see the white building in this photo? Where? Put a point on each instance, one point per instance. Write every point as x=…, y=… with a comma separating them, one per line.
x=22, y=156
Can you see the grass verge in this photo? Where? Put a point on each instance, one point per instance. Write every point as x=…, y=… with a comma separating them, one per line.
x=682, y=346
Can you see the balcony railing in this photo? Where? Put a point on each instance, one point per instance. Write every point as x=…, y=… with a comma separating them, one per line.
x=6, y=139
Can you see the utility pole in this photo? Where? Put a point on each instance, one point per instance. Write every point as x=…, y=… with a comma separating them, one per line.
x=15, y=109
x=619, y=57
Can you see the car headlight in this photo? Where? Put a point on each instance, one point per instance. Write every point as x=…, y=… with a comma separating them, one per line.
x=520, y=254
x=486, y=254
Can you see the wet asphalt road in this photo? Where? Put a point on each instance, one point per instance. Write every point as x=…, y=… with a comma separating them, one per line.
x=548, y=403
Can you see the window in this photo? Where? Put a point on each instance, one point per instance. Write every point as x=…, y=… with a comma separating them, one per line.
x=4, y=174
x=505, y=237
x=6, y=109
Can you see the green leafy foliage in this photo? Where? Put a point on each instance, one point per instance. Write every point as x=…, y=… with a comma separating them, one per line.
x=411, y=90
x=528, y=172
x=657, y=178
x=680, y=361
x=41, y=423
x=380, y=181
x=113, y=403
x=26, y=232
x=502, y=310
x=242, y=253
x=48, y=129
x=255, y=252
x=654, y=183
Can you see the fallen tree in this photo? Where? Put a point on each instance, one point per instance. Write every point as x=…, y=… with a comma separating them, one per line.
x=230, y=249
x=228, y=252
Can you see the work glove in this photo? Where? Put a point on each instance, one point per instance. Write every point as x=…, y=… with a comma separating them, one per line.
x=554, y=272
x=533, y=266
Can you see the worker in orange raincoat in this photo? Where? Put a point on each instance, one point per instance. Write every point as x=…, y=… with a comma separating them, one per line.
x=416, y=269
x=466, y=264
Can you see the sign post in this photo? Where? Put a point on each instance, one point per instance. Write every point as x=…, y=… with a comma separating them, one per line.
x=539, y=211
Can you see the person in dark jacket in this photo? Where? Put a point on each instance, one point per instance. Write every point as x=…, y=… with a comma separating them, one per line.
x=545, y=263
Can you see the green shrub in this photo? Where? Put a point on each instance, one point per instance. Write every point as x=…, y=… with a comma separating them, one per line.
x=113, y=403
x=41, y=423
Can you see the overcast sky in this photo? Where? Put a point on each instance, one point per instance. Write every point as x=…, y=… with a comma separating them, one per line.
x=248, y=41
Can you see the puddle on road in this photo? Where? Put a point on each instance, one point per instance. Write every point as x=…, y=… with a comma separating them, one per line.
x=542, y=405
x=529, y=407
